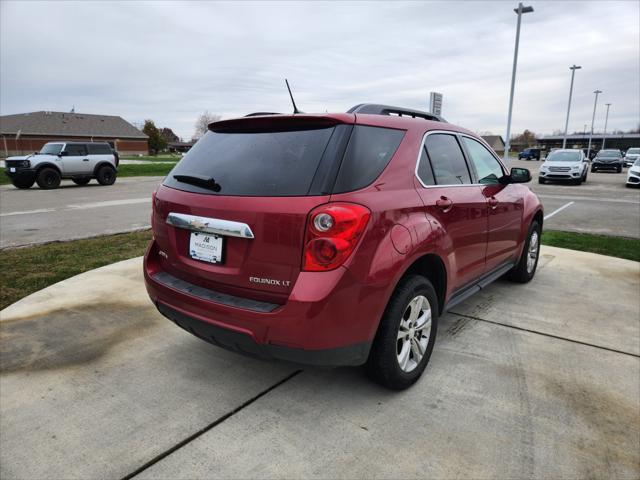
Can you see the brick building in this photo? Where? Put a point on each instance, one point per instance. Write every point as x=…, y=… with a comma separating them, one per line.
x=26, y=133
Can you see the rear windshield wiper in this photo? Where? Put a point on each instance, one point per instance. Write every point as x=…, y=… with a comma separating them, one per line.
x=199, y=181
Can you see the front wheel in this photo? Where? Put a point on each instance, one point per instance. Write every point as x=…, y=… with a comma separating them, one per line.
x=23, y=183
x=48, y=178
x=106, y=175
x=525, y=269
x=542, y=180
x=406, y=335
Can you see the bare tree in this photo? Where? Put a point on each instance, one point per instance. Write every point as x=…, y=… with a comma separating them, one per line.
x=203, y=122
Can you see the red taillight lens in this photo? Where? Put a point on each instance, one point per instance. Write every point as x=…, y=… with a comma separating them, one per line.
x=333, y=232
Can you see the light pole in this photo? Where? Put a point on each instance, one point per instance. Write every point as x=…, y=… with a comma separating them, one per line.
x=566, y=124
x=606, y=120
x=593, y=117
x=520, y=10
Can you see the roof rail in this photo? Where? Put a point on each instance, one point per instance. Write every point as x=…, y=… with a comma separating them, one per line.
x=375, y=109
x=260, y=114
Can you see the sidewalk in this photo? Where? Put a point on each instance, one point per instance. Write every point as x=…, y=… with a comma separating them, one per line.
x=538, y=380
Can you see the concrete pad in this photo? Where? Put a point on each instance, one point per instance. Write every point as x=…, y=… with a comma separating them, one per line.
x=95, y=383
x=495, y=403
x=99, y=386
x=575, y=295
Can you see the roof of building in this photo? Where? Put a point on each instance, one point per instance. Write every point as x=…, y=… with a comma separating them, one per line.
x=595, y=135
x=71, y=124
x=490, y=139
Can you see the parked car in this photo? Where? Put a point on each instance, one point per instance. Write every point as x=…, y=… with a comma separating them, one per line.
x=564, y=165
x=78, y=161
x=607, y=160
x=529, y=154
x=336, y=239
x=633, y=175
x=631, y=156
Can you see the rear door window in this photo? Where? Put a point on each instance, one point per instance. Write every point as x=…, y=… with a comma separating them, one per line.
x=425, y=172
x=280, y=163
x=369, y=151
x=447, y=160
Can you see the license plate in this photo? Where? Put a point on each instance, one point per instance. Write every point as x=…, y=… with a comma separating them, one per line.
x=205, y=247
x=12, y=170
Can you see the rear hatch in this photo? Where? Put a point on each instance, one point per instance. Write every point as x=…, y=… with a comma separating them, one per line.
x=263, y=174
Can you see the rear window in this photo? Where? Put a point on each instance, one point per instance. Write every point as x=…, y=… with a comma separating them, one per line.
x=369, y=151
x=99, y=149
x=269, y=164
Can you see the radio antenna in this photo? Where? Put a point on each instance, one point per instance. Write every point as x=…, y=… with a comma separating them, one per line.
x=295, y=108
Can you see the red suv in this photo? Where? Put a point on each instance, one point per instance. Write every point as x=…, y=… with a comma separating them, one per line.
x=336, y=239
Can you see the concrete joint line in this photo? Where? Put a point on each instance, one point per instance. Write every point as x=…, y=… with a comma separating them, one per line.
x=204, y=430
x=471, y=317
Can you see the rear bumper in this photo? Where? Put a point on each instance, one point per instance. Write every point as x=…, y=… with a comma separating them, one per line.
x=329, y=319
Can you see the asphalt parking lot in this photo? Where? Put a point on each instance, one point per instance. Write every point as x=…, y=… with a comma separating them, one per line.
x=602, y=205
x=94, y=383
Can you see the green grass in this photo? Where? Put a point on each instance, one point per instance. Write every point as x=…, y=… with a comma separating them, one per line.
x=27, y=270
x=145, y=170
x=140, y=170
x=628, y=248
x=155, y=158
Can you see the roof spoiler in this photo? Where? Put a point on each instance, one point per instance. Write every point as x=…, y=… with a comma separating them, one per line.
x=376, y=109
x=277, y=122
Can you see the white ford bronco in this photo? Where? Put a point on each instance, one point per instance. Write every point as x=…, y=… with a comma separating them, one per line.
x=78, y=161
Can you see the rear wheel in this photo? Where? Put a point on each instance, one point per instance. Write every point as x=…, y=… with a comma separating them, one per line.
x=106, y=175
x=81, y=181
x=48, y=178
x=23, y=183
x=619, y=169
x=526, y=267
x=406, y=335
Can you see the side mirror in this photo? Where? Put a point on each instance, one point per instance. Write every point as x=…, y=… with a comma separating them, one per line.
x=63, y=154
x=518, y=175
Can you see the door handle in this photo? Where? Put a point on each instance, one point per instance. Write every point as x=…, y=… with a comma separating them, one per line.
x=493, y=202
x=445, y=204
x=85, y=159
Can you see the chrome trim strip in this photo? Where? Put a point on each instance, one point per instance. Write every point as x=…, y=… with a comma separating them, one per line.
x=210, y=225
x=453, y=132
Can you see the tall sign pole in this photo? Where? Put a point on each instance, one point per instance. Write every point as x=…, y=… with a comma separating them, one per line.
x=606, y=120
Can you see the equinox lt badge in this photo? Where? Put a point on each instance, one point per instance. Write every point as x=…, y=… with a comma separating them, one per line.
x=270, y=281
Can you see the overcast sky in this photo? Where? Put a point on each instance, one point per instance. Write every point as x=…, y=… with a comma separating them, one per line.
x=170, y=61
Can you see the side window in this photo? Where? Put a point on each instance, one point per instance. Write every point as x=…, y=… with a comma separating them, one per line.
x=75, y=150
x=369, y=151
x=99, y=149
x=487, y=167
x=447, y=160
x=425, y=173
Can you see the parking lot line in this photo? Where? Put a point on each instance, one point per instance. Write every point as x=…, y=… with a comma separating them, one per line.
x=84, y=206
x=557, y=210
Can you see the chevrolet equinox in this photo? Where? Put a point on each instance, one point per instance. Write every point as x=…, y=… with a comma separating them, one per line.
x=336, y=239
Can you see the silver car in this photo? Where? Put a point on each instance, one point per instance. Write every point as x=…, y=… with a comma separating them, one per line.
x=631, y=156
x=564, y=165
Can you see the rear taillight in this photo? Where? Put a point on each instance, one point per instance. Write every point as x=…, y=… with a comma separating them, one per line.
x=333, y=231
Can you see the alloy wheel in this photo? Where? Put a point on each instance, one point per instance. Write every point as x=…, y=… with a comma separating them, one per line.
x=413, y=333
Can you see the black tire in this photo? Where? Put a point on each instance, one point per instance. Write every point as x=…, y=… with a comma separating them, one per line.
x=542, y=180
x=23, y=183
x=81, y=181
x=521, y=273
x=619, y=169
x=106, y=175
x=578, y=181
x=48, y=178
x=383, y=364
x=593, y=170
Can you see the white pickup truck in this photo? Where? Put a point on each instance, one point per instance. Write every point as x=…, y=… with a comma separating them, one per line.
x=78, y=161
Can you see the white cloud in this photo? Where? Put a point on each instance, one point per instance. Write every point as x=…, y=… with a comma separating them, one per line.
x=171, y=61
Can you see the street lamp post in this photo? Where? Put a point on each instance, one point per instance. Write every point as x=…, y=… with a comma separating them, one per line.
x=566, y=124
x=606, y=120
x=593, y=117
x=520, y=10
